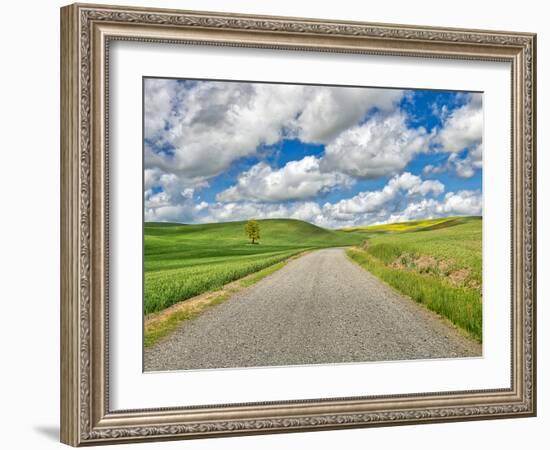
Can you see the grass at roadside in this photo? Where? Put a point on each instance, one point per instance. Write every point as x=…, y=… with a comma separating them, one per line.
x=183, y=261
x=439, y=267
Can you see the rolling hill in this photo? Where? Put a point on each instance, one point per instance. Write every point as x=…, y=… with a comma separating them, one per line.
x=413, y=225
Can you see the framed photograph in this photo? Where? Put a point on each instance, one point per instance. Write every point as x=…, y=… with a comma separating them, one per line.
x=278, y=224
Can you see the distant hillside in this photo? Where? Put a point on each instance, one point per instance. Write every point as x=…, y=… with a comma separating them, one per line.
x=415, y=225
x=273, y=232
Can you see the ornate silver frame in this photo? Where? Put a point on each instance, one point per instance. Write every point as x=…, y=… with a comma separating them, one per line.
x=86, y=31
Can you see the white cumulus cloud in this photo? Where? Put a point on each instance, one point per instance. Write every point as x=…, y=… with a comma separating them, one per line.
x=383, y=145
x=463, y=167
x=205, y=126
x=296, y=180
x=222, y=212
x=462, y=203
x=401, y=188
x=462, y=129
x=404, y=197
x=329, y=111
x=172, y=200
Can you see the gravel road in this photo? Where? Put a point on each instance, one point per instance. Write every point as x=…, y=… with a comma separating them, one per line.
x=320, y=308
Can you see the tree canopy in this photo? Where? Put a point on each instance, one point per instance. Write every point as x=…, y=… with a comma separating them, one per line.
x=252, y=230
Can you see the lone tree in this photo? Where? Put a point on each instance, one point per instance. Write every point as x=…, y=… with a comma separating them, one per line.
x=252, y=230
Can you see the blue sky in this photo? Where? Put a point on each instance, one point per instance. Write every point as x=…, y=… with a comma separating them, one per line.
x=334, y=156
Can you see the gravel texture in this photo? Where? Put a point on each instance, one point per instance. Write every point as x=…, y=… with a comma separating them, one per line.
x=320, y=308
